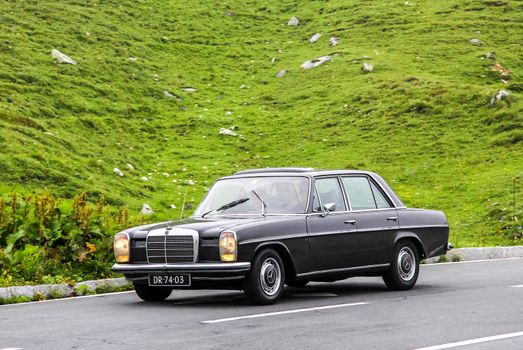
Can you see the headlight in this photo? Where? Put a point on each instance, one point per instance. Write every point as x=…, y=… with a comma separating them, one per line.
x=122, y=251
x=228, y=246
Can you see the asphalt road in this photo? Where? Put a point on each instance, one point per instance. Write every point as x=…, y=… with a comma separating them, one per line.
x=453, y=306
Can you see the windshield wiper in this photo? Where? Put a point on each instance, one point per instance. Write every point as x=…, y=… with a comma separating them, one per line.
x=264, y=206
x=228, y=205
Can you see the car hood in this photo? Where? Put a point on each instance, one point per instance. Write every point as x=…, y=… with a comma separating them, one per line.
x=207, y=228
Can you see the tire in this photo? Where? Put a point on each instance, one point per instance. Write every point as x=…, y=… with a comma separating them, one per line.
x=297, y=283
x=404, y=270
x=264, y=284
x=147, y=293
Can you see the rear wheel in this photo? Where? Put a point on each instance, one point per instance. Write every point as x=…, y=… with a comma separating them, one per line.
x=264, y=283
x=404, y=270
x=147, y=293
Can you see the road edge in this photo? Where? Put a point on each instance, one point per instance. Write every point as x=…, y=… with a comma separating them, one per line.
x=55, y=291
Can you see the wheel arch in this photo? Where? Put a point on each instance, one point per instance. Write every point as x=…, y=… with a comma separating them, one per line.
x=283, y=251
x=411, y=236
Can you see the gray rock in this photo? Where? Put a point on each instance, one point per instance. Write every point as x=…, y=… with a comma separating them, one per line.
x=315, y=63
x=490, y=55
x=476, y=42
x=293, y=22
x=315, y=38
x=171, y=95
x=227, y=132
x=118, y=172
x=280, y=73
x=61, y=58
x=333, y=41
x=367, y=67
x=499, y=96
x=146, y=209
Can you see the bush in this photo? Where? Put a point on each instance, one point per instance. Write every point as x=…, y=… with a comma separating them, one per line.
x=45, y=239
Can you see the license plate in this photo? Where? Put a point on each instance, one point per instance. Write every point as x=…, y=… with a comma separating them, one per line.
x=178, y=280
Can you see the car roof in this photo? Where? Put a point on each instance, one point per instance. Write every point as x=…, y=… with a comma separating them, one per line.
x=297, y=171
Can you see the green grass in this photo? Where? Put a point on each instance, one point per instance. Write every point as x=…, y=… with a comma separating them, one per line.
x=422, y=118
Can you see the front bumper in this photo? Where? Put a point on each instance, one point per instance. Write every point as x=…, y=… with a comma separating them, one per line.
x=202, y=271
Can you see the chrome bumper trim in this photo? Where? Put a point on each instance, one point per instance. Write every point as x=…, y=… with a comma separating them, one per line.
x=196, y=267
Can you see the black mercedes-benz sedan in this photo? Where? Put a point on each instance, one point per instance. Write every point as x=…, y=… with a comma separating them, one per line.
x=261, y=229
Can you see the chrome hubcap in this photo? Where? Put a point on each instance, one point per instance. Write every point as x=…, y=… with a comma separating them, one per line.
x=270, y=276
x=406, y=264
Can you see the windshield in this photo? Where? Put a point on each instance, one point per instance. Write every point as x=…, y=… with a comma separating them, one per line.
x=281, y=195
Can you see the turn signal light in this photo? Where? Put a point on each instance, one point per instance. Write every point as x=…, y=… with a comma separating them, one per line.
x=228, y=246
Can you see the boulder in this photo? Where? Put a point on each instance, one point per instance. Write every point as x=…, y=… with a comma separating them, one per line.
x=227, y=132
x=316, y=62
x=280, y=73
x=293, y=22
x=315, y=38
x=476, y=42
x=499, y=96
x=118, y=172
x=367, y=67
x=61, y=58
x=146, y=209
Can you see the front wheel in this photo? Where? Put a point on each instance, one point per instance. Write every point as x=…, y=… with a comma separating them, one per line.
x=147, y=293
x=264, y=283
x=404, y=270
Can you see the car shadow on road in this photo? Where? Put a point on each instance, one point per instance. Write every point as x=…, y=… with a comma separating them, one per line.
x=345, y=291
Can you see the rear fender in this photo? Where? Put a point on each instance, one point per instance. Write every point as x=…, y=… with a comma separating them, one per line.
x=414, y=238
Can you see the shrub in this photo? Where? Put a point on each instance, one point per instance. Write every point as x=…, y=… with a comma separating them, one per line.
x=42, y=235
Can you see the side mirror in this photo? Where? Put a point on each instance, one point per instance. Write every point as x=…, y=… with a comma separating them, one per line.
x=328, y=207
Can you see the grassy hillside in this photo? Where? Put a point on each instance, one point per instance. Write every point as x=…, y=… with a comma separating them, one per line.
x=422, y=118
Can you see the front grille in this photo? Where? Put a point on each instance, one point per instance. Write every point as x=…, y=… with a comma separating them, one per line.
x=170, y=249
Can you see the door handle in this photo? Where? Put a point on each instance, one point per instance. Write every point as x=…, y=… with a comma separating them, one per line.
x=392, y=218
x=352, y=222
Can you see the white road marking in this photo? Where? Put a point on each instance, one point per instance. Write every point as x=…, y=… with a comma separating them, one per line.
x=12, y=349
x=473, y=341
x=65, y=299
x=268, y=314
x=518, y=286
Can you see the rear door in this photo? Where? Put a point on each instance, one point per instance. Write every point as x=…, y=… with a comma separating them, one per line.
x=332, y=237
x=376, y=219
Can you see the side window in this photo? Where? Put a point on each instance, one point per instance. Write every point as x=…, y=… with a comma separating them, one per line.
x=360, y=193
x=329, y=191
x=381, y=201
